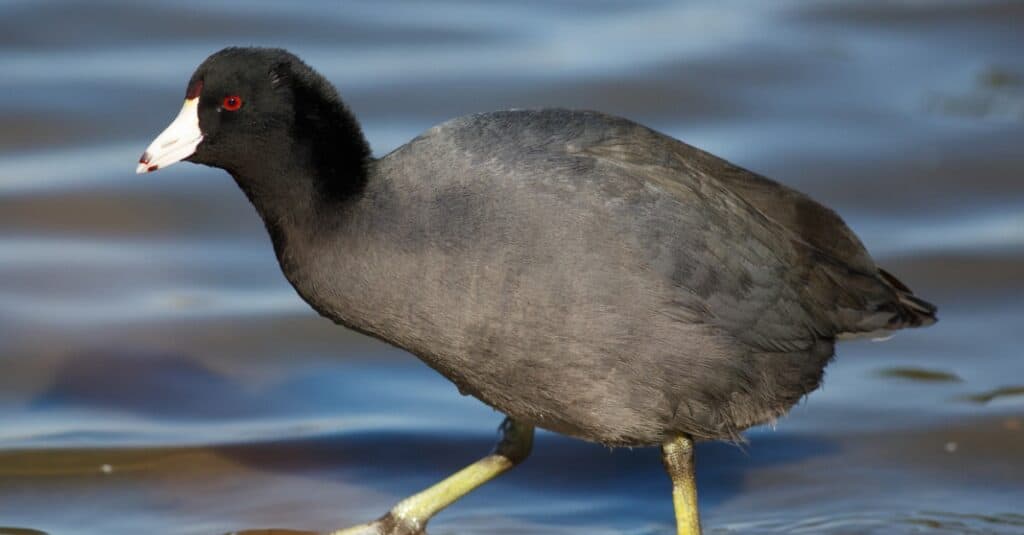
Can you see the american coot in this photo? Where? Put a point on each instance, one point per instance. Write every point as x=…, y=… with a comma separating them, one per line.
x=576, y=271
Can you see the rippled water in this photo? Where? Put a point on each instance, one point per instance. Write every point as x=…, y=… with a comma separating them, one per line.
x=158, y=375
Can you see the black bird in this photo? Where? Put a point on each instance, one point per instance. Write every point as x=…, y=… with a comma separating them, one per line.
x=576, y=271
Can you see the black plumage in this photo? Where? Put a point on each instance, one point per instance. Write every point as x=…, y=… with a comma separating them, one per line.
x=576, y=271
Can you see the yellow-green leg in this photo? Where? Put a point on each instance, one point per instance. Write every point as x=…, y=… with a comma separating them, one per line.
x=410, y=516
x=677, y=454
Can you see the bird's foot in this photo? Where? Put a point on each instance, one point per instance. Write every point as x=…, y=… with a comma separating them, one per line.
x=410, y=516
x=389, y=524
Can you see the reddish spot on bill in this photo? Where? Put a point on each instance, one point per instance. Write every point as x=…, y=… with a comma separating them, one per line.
x=194, y=90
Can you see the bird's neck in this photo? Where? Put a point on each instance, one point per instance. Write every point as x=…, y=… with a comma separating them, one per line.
x=295, y=201
x=324, y=241
x=303, y=191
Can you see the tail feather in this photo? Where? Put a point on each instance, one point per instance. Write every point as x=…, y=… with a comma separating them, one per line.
x=911, y=311
x=905, y=311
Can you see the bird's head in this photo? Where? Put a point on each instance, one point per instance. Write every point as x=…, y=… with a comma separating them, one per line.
x=249, y=108
x=234, y=102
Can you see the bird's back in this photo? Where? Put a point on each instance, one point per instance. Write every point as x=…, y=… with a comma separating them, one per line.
x=575, y=147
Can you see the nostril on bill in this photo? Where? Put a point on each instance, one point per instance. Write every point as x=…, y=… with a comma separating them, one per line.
x=168, y=143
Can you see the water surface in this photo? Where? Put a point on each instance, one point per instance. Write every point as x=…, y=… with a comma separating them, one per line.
x=158, y=375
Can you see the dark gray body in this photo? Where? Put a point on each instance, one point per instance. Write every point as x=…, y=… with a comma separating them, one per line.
x=587, y=275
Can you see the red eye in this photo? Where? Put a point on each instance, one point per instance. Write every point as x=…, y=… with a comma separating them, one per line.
x=232, y=103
